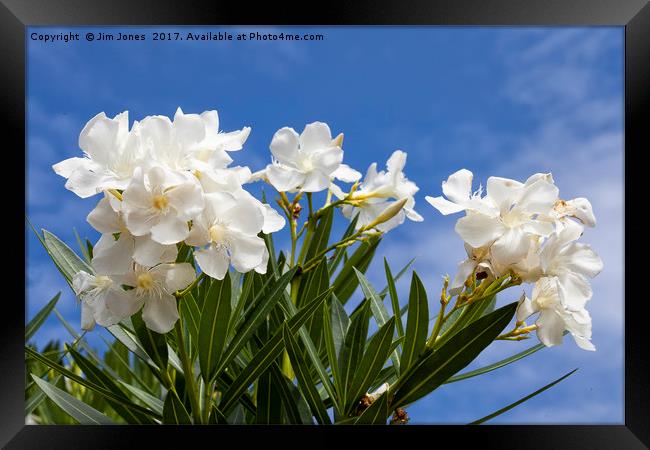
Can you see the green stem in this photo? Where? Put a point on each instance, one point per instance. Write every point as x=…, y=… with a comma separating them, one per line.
x=189, y=376
x=438, y=326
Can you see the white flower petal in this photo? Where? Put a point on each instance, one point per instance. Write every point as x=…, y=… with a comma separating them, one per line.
x=177, y=276
x=169, y=230
x=538, y=198
x=273, y=221
x=550, y=327
x=511, y=247
x=315, y=181
x=123, y=303
x=87, y=317
x=346, y=174
x=503, y=192
x=284, y=145
x=580, y=258
x=465, y=269
x=214, y=261
x=103, y=218
x=247, y=252
x=85, y=183
x=458, y=186
x=478, y=229
x=443, y=205
x=283, y=178
x=67, y=166
x=525, y=308
x=111, y=257
x=327, y=160
x=160, y=313
x=315, y=136
x=574, y=290
x=148, y=252
x=186, y=199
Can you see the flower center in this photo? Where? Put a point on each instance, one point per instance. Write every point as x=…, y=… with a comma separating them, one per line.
x=160, y=202
x=145, y=281
x=218, y=233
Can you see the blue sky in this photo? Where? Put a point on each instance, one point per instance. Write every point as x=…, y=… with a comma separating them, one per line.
x=497, y=101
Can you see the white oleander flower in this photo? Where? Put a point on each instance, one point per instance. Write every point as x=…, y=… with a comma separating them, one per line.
x=191, y=141
x=95, y=291
x=111, y=154
x=372, y=196
x=161, y=202
x=458, y=189
x=513, y=219
x=153, y=289
x=113, y=256
x=227, y=234
x=306, y=162
x=572, y=263
x=553, y=317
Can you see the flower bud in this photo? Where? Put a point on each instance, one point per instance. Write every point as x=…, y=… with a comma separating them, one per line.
x=338, y=141
x=391, y=211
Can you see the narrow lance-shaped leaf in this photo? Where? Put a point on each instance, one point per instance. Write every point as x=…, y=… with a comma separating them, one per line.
x=40, y=317
x=417, y=323
x=153, y=343
x=321, y=235
x=346, y=282
x=267, y=355
x=254, y=318
x=64, y=258
x=78, y=410
x=394, y=299
x=95, y=375
x=304, y=380
x=352, y=349
x=522, y=400
x=435, y=367
x=504, y=362
x=213, y=328
x=174, y=412
x=378, y=310
x=86, y=383
x=373, y=360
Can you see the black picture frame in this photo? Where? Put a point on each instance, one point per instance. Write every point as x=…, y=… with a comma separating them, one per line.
x=634, y=15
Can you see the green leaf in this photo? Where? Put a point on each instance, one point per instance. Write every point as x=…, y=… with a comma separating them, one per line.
x=261, y=308
x=373, y=360
x=80, y=411
x=320, y=238
x=98, y=377
x=40, y=317
x=469, y=314
x=155, y=344
x=417, y=323
x=499, y=364
x=86, y=383
x=191, y=315
x=267, y=355
x=394, y=299
x=378, y=310
x=295, y=407
x=435, y=367
x=213, y=329
x=173, y=410
x=336, y=323
x=520, y=401
x=84, y=249
x=346, y=282
x=375, y=414
x=152, y=402
x=64, y=258
x=352, y=349
x=304, y=379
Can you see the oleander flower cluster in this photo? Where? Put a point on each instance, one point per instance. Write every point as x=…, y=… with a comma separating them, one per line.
x=228, y=324
x=169, y=182
x=528, y=231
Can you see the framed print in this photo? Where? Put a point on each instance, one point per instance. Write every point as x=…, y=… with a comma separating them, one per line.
x=411, y=216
